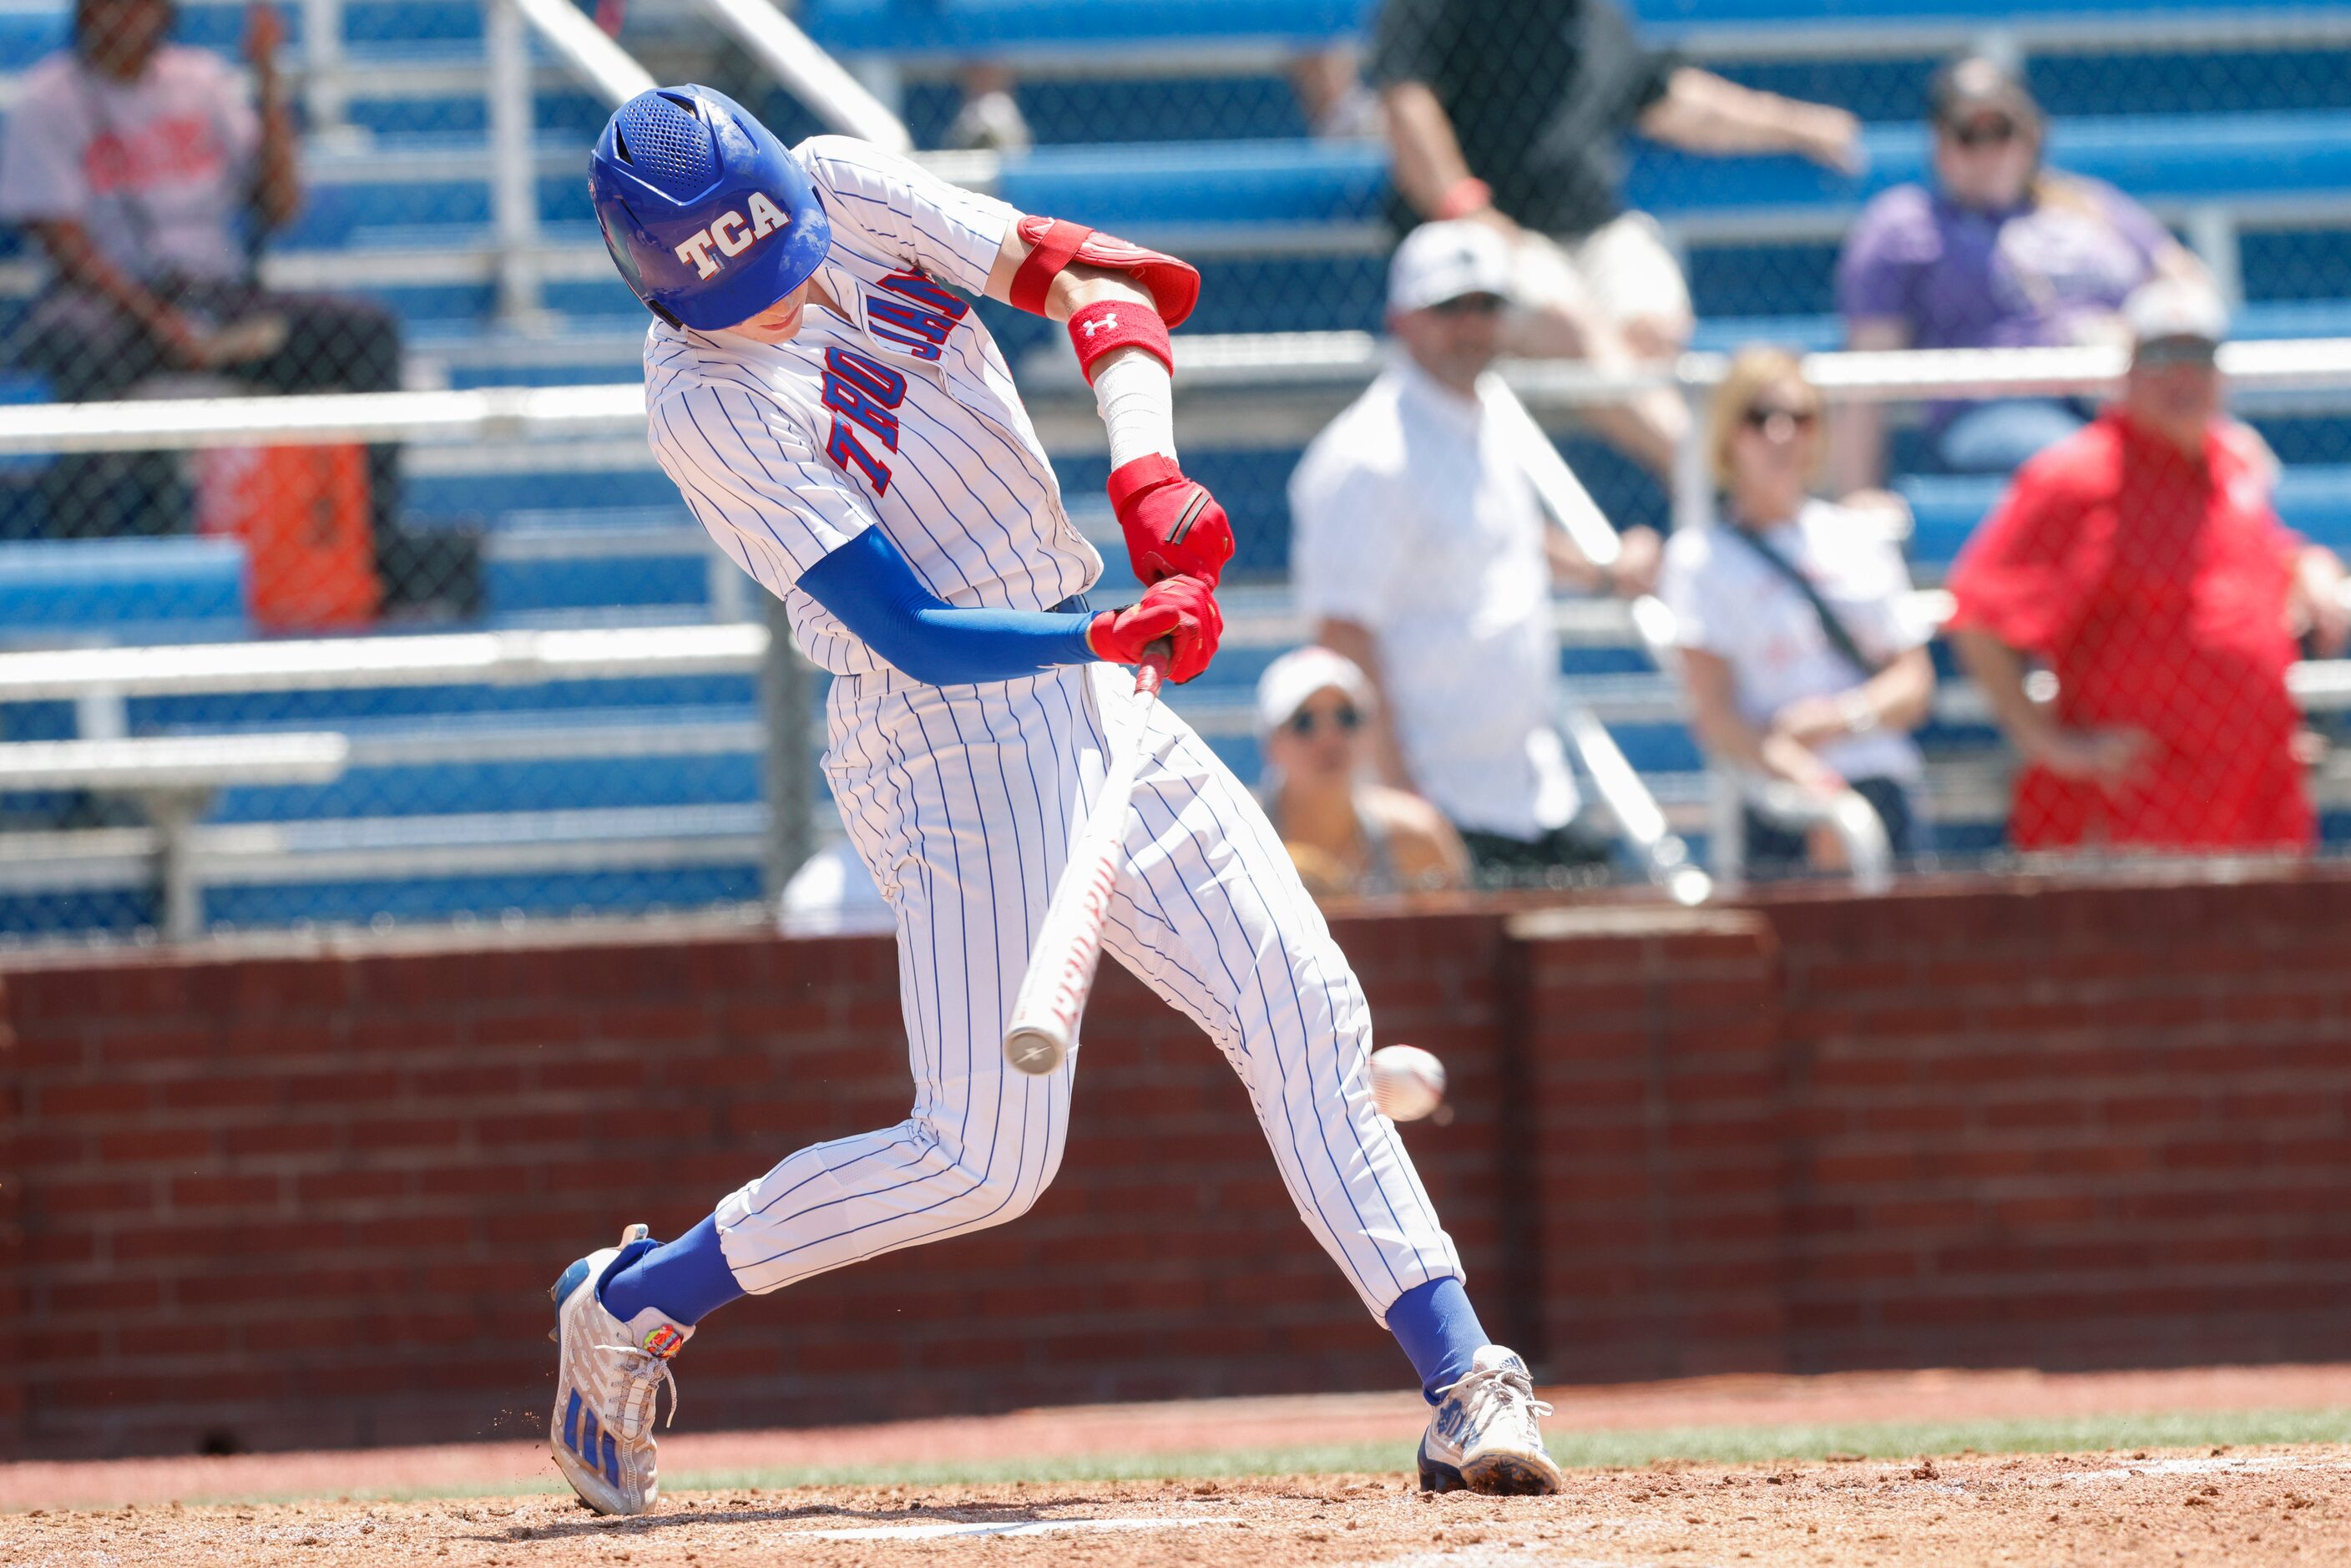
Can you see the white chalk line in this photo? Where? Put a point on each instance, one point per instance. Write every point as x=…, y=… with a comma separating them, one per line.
x=2265, y=1464
x=1015, y=1527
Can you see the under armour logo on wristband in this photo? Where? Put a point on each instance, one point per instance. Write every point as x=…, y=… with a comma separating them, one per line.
x=1109, y=318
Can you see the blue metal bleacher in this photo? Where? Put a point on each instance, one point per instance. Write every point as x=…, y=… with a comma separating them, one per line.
x=1291, y=234
x=123, y=590
x=978, y=27
x=2313, y=500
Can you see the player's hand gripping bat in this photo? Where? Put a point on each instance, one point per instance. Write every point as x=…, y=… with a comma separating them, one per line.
x=1053, y=995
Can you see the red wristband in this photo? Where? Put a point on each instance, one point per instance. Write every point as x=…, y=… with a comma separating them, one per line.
x=1106, y=324
x=1468, y=195
x=1138, y=476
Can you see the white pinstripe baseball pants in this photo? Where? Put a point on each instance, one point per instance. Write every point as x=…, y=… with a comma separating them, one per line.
x=962, y=801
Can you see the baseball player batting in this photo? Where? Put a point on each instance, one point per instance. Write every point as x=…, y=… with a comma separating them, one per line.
x=819, y=387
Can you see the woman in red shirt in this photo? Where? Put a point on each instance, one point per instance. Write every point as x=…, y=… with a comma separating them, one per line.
x=2142, y=561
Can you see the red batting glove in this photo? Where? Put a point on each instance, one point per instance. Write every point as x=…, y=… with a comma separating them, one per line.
x=1177, y=613
x=1172, y=526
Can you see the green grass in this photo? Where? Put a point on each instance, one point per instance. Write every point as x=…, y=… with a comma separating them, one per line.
x=1713, y=1445
x=1587, y=1450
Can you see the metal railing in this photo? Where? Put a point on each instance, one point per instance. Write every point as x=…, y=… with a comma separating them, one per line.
x=599, y=63
x=815, y=77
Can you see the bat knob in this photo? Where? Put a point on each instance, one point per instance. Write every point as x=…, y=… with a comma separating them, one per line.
x=1033, y=1052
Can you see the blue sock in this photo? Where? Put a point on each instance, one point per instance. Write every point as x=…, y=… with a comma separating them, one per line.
x=686, y=1279
x=1439, y=1329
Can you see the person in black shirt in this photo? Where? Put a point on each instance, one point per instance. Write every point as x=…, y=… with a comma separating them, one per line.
x=1509, y=112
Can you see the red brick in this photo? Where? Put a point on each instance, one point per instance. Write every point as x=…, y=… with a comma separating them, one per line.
x=213, y=1094
x=343, y=1087
x=327, y=1188
x=261, y=1143
x=172, y=1144
x=224, y=1191
x=114, y=1099
x=415, y=1133
x=110, y=1194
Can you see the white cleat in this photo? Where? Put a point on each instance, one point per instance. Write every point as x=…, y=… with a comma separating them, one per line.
x=1486, y=1436
x=607, y=1376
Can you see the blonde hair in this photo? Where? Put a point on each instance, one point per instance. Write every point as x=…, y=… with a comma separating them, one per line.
x=1752, y=369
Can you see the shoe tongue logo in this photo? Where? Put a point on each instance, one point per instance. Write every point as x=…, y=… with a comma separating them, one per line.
x=664, y=1340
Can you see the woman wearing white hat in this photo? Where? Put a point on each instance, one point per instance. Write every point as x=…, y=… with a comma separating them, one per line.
x=1349, y=837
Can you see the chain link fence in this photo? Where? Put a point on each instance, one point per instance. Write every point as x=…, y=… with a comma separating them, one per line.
x=334, y=203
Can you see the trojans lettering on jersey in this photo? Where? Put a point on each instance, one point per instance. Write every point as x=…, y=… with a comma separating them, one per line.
x=920, y=320
x=863, y=392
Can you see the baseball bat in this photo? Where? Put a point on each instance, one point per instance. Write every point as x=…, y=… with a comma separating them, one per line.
x=1061, y=973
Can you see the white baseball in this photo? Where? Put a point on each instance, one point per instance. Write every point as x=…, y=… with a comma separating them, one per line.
x=1407, y=1083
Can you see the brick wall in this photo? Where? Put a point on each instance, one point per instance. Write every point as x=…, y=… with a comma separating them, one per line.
x=1653, y=1067
x=2077, y=1127
x=277, y=1201
x=293, y=1202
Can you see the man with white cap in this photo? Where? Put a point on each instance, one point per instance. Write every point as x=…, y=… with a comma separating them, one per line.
x=2141, y=560
x=1347, y=836
x=1420, y=552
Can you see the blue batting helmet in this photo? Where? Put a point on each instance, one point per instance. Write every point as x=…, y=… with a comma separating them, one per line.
x=707, y=217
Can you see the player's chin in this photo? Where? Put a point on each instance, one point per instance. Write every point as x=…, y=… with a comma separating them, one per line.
x=778, y=324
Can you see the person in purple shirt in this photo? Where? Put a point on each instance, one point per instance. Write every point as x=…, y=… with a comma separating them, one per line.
x=2003, y=253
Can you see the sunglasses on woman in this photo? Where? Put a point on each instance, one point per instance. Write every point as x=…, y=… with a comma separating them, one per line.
x=1760, y=416
x=1304, y=722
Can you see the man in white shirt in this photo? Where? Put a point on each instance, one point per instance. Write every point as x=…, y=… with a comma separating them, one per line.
x=1421, y=552
x=141, y=173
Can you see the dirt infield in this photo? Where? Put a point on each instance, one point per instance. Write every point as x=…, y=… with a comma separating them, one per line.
x=1186, y=1427
x=2261, y=1507
x=2258, y=1503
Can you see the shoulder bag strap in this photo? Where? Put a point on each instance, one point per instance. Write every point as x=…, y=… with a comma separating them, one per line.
x=1839, y=636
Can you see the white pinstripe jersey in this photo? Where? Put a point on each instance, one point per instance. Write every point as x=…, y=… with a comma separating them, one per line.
x=905, y=418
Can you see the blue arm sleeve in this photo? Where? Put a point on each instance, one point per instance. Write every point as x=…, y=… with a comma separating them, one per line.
x=870, y=589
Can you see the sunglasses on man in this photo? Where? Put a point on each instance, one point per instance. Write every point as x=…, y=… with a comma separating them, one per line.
x=1469, y=305
x=2200, y=351
x=1304, y=722
x=1992, y=130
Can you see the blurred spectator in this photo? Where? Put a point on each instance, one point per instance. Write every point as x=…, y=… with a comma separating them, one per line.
x=2003, y=253
x=1331, y=98
x=1510, y=110
x=2141, y=557
x=990, y=115
x=144, y=174
x=1347, y=835
x=832, y=894
x=1422, y=554
x=1798, y=659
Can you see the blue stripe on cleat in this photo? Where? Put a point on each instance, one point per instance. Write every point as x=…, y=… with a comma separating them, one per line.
x=567, y=1283
x=571, y=1423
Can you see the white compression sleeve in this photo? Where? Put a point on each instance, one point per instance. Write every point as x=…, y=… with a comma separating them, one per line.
x=1137, y=399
